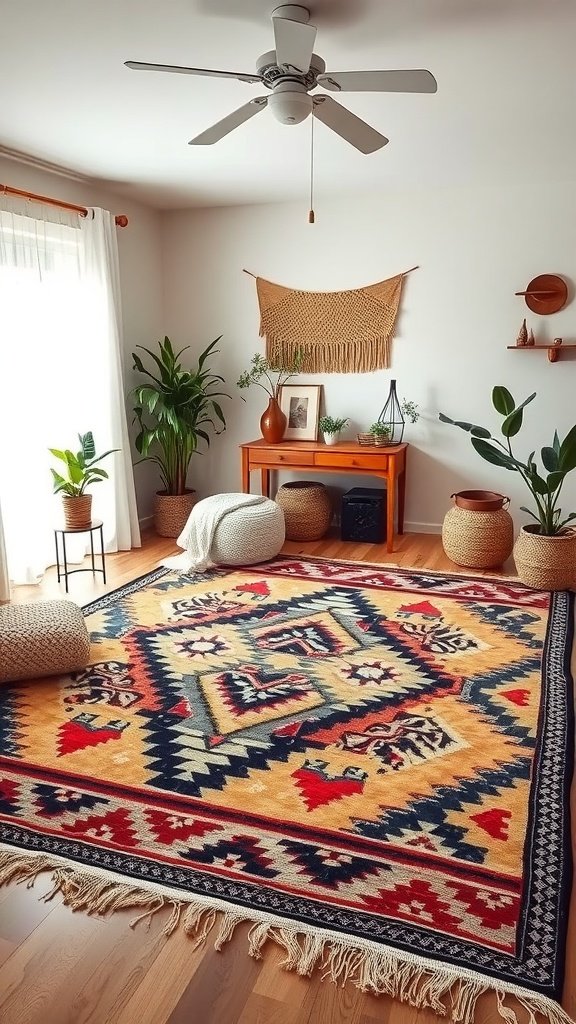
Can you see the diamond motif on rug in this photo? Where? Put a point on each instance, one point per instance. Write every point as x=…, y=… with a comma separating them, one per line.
x=379, y=753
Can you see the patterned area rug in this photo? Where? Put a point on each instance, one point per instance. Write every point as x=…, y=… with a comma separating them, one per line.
x=371, y=765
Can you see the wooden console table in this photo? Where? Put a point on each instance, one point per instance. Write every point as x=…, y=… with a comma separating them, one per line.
x=388, y=464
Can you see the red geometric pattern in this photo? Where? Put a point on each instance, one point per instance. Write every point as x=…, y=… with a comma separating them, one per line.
x=375, y=751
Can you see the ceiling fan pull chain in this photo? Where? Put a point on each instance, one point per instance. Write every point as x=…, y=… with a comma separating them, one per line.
x=311, y=211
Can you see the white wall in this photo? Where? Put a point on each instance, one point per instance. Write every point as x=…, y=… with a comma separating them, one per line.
x=140, y=268
x=475, y=248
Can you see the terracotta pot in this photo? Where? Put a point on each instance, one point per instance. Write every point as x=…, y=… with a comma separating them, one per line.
x=171, y=512
x=273, y=423
x=546, y=563
x=77, y=511
x=480, y=501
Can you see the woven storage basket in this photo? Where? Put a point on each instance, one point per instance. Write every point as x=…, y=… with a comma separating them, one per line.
x=478, y=540
x=307, y=509
x=546, y=563
x=77, y=511
x=171, y=512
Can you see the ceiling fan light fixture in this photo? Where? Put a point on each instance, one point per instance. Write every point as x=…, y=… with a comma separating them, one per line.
x=290, y=104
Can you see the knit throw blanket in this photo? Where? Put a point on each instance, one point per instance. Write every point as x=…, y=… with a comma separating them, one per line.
x=197, y=536
x=336, y=332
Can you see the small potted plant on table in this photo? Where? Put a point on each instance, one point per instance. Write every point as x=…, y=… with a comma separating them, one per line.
x=331, y=428
x=82, y=470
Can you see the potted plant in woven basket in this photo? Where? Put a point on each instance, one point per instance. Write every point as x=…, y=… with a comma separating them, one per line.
x=545, y=551
x=81, y=470
x=175, y=410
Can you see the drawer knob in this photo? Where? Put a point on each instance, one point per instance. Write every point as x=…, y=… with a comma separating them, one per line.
x=280, y=458
x=354, y=462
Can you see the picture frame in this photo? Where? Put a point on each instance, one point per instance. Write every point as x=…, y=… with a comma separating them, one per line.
x=300, y=403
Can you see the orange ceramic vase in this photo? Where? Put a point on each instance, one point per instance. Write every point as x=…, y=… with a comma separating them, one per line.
x=273, y=423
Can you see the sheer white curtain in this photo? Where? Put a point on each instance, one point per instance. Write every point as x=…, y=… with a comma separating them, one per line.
x=60, y=375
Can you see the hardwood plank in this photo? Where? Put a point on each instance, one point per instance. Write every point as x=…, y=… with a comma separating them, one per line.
x=65, y=968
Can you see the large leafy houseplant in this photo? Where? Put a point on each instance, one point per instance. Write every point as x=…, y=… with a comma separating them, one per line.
x=175, y=410
x=545, y=485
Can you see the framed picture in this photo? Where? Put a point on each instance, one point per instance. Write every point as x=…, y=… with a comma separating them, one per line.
x=300, y=403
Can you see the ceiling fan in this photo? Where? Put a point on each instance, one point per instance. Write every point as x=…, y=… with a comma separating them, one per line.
x=291, y=72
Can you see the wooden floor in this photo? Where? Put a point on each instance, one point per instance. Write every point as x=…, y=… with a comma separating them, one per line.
x=62, y=968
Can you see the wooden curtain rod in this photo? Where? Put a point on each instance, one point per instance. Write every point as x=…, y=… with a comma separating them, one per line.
x=121, y=220
x=417, y=267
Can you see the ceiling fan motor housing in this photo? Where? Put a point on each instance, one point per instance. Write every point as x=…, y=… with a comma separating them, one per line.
x=290, y=103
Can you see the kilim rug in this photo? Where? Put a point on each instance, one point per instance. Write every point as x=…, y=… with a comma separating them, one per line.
x=370, y=765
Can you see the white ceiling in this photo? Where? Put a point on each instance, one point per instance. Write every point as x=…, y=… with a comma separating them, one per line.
x=504, y=110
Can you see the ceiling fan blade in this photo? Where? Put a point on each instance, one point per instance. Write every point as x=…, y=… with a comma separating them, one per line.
x=345, y=123
x=294, y=42
x=379, y=81
x=137, y=65
x=229, y=123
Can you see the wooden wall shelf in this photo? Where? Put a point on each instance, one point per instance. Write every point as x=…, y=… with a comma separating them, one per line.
x=552, y=350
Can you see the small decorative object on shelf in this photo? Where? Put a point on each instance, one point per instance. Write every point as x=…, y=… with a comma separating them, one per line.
x=331, y=428
x=553, y=348
x=522, y=338
x=378, y=435
x=392, y=417
x=531, y=338
x=547, y=293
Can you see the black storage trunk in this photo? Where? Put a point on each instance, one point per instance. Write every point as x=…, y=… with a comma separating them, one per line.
x=363, y=515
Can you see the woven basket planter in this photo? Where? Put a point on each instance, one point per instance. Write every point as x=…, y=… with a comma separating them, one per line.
x=77, y=511
x=478, y=540
x=307, y=509
x=171, y=512
x=546, y=563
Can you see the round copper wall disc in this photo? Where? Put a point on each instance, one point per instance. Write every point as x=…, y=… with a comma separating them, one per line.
x=552, y=302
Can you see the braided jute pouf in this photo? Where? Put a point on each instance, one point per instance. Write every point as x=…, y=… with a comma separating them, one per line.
x=478, y=540
x=171, y=512
x=546, y=563
x=307, y=509
x=42, y=638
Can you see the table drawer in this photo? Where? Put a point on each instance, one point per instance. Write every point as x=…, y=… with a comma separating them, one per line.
x=259, y=456
x=349, y=460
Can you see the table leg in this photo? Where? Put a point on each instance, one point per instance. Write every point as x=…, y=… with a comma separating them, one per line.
x=265, y=477
x=245, y=470
x=65, y=561
x=390, y=496
x=57, y=555
x=102, y=553
x=92, y=551
x=401, y=497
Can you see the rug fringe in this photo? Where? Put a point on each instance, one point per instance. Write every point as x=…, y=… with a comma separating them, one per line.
x=380, y=970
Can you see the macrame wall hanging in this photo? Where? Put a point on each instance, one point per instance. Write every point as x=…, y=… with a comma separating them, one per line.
x=337, y=332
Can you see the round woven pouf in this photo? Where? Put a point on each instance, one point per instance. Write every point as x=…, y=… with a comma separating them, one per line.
x=307, y=509
x=546, y=563
x=478, y=540
x=248, y=535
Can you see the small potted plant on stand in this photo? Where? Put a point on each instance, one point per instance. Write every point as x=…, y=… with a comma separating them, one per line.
x=545, y=551
x=273, y=420
x=331, y=428
x=81, y=471
x=175, y=410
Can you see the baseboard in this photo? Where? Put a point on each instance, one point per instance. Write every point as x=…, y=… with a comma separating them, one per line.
x=423, y=528
x=146, y=522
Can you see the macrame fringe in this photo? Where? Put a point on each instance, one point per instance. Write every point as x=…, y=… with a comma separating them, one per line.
x=380, y=970
x=362, y=356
